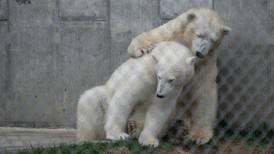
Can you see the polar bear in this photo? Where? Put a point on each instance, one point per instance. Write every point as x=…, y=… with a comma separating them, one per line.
x=108, y=107
x=201, y=30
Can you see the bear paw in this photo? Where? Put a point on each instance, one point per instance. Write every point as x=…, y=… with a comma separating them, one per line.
x=118, y=136
x=148, y=140
x=132, y=128
x=200, y=136
x=147, y=49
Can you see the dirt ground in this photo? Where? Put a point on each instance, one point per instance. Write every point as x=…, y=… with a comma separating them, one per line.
x=225, y=148
x=18, y=138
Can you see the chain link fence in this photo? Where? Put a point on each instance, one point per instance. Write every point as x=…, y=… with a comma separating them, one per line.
x=242, y=125
x=244, y=121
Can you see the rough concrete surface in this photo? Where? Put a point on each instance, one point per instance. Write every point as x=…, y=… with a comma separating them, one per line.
x=53, y=50
x=20, y=138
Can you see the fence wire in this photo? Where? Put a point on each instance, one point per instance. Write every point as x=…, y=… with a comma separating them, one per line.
x=243, y=123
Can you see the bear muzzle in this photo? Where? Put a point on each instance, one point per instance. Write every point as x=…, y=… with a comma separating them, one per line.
x=160, y=96
x=199, y=54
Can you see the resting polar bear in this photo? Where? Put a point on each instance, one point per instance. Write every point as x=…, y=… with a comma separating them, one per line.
x=135, y=82
x=201, y=30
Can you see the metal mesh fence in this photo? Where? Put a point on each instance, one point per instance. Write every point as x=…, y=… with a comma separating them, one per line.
x=244, y=121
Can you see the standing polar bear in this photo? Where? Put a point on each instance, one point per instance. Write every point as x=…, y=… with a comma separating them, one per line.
x=137, y=81
x=201, y=30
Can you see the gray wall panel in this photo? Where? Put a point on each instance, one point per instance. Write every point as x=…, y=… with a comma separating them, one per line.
x=52, y=64
x=33, y=49
x=83, y=9
x=172, y=8
x=3, y=70
x=85, y=63
x=41, y=13
x=3, y=9
x=139, y=16
x=34, y=75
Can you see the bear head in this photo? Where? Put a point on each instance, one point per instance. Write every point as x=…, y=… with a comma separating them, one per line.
x=174, y=68
x=204, y=31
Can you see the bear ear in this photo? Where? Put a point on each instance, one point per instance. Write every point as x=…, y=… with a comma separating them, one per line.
x=191, y=60
x=191, y=17
x=154, y=59
x=226, y=30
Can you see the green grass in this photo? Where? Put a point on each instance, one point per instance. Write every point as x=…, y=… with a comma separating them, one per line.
x=131, y=146
x=260, y=138
x=262, y=135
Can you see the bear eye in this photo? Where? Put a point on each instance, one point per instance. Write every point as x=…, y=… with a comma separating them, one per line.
x=170, y=80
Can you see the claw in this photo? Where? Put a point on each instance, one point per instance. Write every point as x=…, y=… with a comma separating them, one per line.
x=147, y=49
x=200, y=136
x=148, y=140
x=120, y=136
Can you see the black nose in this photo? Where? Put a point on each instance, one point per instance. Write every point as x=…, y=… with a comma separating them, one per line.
x=160, y=96
x=199, y=55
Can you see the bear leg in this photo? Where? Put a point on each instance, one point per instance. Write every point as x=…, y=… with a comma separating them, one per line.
x=91, y=115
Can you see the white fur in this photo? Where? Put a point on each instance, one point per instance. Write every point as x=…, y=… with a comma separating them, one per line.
x=132, y=88
x=201, y=30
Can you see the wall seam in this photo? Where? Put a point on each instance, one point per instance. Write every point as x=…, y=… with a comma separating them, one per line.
x=8, y=65
x=159, y=22
x=109, y=34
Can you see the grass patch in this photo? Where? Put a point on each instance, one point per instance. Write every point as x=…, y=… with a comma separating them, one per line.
x=225, y=138
x=262, y=135
x=131, y=146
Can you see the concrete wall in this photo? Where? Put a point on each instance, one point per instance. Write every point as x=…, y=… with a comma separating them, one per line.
x=52, y=50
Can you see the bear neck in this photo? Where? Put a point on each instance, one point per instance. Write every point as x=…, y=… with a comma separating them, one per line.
x=151, y=66
x=209, y=61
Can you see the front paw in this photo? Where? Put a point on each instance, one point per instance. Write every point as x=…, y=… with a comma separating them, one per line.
x=136, y=53
x=117, y=136
x=148, y=140
x=200, y=135
x=146, y=49
x=133, y=128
